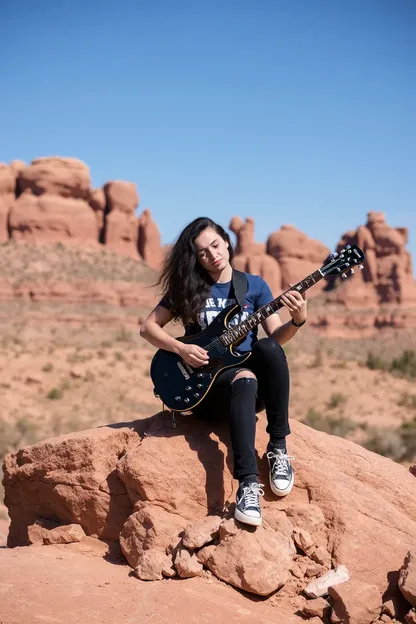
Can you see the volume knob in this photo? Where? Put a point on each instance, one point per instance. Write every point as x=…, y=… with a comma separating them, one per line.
x=187, y=400
x=188, y=389
x=199, y=385
x=178, y=398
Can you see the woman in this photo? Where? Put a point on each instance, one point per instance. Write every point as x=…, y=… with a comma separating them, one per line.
x=197, y=284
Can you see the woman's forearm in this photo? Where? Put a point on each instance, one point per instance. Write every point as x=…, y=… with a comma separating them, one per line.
x=285, y=332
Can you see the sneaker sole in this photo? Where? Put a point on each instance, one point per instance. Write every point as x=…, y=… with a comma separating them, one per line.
x=247, y=519
x=280, y=493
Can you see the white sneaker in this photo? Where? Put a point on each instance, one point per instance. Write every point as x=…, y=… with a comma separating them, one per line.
x=281, y=473
x=248, y=509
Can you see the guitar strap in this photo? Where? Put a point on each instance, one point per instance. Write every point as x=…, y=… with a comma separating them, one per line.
x=240, y=286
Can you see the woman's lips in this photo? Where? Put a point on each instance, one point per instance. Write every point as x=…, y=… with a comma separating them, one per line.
x=216, y=262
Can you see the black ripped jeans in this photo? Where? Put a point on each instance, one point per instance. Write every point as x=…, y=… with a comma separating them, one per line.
x=242, y=398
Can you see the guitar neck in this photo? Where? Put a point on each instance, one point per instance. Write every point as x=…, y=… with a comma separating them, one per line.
x=239, y=331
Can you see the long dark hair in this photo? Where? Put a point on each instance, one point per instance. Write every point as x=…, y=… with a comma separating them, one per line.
x=185, y=284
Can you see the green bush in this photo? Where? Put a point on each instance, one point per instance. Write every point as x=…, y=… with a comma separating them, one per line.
x=54, y=394
x=405, y=364
x=386, y=442
x=408, y=434
x=336, y=400
x=375, y=362
x=407, y=400
x=341, y=427
x=16, y=434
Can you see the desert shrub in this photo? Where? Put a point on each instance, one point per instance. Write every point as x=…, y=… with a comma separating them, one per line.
x=405, y=364
x=123, y=335
x=386, y=442
x=341, y=427
x=47, y=367
x=407, y=400
x=13, y=435
x=118, y=356
x=408, y=434
x=54, y=394
x=336, y=400
x=375, y=362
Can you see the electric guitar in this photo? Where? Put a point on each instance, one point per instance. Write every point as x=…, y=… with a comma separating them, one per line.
x=181, y=387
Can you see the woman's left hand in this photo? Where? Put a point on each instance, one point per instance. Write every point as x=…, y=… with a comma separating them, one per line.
x=296, y=303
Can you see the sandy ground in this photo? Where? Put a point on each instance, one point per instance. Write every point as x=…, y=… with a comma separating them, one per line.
x=54, y=585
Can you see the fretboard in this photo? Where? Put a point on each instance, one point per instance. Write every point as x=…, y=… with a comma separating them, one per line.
x=234, y=334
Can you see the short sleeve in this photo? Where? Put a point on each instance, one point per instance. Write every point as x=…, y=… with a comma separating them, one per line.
x=264, y=294
x=163, y=303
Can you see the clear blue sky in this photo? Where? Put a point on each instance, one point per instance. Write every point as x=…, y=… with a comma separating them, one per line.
x=291, y=111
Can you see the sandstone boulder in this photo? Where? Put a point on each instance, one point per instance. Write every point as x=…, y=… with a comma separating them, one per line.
x=70, y=480
x=153, y=565
x=356, y=602
x=407, y=578
x=202, y=532
x=258, y=562
x=111, y=479
x=150, y=528
x=66, y=177
x=51, y=218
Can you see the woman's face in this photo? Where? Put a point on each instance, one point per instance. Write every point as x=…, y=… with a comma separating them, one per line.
x=212, y=251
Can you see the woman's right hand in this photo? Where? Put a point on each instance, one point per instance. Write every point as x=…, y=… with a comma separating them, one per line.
x=193, y=355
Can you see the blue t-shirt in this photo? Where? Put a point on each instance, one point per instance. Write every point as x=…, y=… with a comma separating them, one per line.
x=222, y=295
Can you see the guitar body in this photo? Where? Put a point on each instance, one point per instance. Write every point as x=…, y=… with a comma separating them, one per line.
x=181, y=387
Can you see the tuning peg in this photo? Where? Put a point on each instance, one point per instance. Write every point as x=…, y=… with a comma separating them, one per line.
x=352, y=271
x=343, y=275
x=360, y=266
x=347, y=246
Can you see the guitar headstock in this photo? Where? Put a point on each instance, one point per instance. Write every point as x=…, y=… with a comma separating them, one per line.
x=343, y=262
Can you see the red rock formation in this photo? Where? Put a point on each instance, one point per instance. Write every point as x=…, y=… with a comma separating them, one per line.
x=98, y=203
x=7, y=197
x=297, y=254
x=67, y=177
x=387, y=271
x=244, y=232
x=121, y=223
x=50, y=218
x=251, y=257
x=149, y=244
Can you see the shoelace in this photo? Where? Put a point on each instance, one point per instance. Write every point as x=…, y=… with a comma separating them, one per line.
x=251, y=494
x=281, y=465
